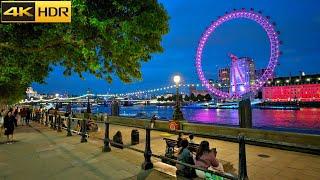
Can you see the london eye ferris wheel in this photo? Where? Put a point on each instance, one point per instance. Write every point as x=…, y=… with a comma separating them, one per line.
x=239, y=86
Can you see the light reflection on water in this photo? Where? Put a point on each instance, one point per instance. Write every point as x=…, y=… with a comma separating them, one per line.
x=305, y=118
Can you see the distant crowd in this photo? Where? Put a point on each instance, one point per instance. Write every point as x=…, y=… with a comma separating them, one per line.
x=11, y=118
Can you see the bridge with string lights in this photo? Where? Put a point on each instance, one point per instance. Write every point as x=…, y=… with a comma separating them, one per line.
x=134, y=96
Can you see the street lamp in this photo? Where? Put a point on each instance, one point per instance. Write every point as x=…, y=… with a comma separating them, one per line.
x=57, y=97
x=88, y=104
x=177, y=115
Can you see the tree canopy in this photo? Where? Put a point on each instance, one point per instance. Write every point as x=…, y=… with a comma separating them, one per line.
x=107, y=38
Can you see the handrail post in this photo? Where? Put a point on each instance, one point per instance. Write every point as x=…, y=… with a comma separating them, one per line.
x=83, y=132
x=106, y=147
x=242, y=159
x=59, y=124
x=69, y=126
x=42, y=117
x=51, y=121
x=147, y=164
x=55, y=122
x=46, y=121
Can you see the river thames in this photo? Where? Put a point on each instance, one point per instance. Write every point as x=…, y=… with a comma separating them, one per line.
x=305, y=120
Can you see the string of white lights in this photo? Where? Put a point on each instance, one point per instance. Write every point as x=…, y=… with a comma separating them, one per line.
x=135, y=93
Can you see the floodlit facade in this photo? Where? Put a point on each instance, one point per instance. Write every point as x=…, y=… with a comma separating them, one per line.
x=297, y=88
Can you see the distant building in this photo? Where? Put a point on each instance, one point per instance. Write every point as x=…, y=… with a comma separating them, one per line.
x=224, y=75
x=31, y=93
x=297, y=88
x=192, y=88
x=242, y=74
x=202, y=92
x=252, y=69
x=223, y=83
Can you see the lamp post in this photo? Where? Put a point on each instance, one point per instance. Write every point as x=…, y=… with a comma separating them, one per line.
x=88, y=104
x=177, y=115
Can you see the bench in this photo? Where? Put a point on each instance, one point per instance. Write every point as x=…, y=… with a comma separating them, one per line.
x=171, y=143
x=171, y=148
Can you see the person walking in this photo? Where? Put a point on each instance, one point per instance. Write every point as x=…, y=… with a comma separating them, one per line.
x=2, y=114
x=8, y=125
x=191, y=136
x=28, y=116
x=153, y=120
x=23, y=114
x=15, y=114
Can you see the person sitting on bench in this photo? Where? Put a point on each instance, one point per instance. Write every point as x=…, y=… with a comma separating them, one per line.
x=191, y=138
x=206, y=158
x=185, y=156
x=179, y=139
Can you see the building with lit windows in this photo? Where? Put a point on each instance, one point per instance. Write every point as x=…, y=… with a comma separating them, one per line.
x=293, y=89
x=223, y=79
x=242, y=74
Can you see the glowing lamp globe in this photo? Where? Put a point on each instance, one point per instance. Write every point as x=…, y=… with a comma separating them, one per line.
x=176, y=79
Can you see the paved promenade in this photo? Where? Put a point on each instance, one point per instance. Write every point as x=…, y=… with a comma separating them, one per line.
x=41, y=153
x=262, y=162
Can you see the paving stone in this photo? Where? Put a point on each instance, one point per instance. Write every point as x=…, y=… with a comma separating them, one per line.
x=46, y=154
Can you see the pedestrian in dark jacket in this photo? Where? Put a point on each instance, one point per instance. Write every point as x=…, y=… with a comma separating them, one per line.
x=28, y=116
x=8, y=125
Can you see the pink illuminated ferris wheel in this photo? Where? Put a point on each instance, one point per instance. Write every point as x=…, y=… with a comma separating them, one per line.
x=269, y=28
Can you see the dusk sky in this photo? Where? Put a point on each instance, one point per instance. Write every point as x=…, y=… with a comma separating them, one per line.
x=298, y=21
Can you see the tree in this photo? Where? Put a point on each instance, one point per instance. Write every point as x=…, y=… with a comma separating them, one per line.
x=106, y=38
x=200, y=98
x=193, y=97
x=207, y=97
x=186, y=98
x=161, y=98
x=174, y=97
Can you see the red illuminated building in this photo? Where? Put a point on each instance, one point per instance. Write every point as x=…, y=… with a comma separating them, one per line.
x=293, y=89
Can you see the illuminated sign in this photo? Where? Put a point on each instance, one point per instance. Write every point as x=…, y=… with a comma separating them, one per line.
x=36, y=11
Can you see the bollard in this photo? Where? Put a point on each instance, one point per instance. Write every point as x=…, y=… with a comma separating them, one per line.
x=59, y=124
x=83, y=132
x=69, y=126
x=242, y=159
x=147, y=152
x=106, y=147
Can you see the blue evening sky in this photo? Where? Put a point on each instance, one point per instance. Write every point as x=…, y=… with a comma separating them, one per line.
x=298, y=21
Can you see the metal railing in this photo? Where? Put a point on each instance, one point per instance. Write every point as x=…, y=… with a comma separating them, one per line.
x=54, y=121
x=148, y=153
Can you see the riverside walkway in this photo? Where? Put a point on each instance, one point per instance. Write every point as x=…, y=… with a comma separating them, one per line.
x=42, y=153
